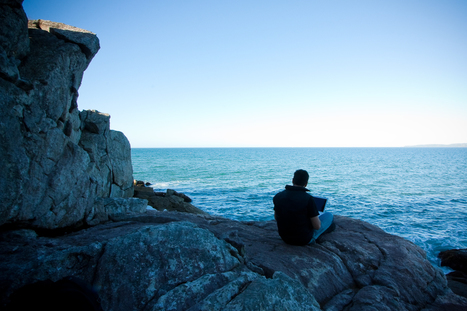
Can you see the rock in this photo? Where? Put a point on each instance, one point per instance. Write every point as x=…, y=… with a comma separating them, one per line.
x=281, y=292
x=170, y=201
x=53, y=163
x=110, y=155
x=144, y=191
x=448, y=302
x=457, y=282
x=139, y=183
x=181, y=261
x=106, y=209
x=121, y=167
x=179, y=194
x=85, y=39
x=14, y=41
x=455, y=259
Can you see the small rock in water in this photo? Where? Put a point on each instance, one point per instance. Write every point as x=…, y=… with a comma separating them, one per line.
x=455, y=259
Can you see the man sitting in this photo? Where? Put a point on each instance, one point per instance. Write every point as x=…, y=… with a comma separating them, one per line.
x=298, y=219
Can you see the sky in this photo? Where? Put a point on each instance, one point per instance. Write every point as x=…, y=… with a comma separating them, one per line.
x=226, y=73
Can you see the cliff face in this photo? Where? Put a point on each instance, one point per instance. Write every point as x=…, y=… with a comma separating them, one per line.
x=54, y=160
x=63, y=168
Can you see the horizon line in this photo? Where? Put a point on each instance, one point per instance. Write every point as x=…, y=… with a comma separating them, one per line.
x=458, y=145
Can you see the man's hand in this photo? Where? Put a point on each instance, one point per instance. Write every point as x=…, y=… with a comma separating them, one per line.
x=315, y=222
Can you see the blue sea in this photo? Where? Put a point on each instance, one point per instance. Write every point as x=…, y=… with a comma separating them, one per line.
x=416, y=193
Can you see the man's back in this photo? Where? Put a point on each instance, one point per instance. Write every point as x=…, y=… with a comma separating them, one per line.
x=293, y=209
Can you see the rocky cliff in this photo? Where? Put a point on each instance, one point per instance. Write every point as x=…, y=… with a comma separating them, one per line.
x=64, y=169
x=54, y=160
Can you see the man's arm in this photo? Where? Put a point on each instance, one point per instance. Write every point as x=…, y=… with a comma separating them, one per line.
x=315, y=222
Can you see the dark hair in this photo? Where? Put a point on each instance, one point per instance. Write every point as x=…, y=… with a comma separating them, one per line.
x=300, y=178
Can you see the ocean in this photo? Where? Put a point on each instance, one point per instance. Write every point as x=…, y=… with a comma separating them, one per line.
x=417, y=193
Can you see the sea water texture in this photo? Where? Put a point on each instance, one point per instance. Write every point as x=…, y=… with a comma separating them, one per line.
x=416, y=193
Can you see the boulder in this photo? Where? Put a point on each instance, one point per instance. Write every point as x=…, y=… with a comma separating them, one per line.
x=85, y=39
x=122, y=170
x=457, y=282
x=185, y=198
x=110, y=155
x=456, y=259
x=181, y=261
x=171, y=200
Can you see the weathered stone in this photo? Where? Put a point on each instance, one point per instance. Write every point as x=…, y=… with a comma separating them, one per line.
x=205, y=293
x=68, y=197
x=48, y=179
x=340, y=301
x=179, y=261
x=85, y=39
x=110, y=154
x=279, y=293
x=179, y=194
x=138, y=183
x=8, y=67
x=457, y=282
x=154, y=264
x=105, y=209
x=170, y=201
x=120, y=161
x=14, y=161
x=448, y=302
x=455, y=259
x=14, y=41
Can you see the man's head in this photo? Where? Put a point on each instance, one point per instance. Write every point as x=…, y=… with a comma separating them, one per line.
x=300, y=178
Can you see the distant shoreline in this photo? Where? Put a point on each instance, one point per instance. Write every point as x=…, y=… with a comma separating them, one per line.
x=439, y=146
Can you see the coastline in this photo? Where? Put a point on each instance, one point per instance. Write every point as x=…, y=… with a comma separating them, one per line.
x=68, y=211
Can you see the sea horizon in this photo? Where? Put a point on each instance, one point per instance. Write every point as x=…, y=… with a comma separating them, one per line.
x=457, y=145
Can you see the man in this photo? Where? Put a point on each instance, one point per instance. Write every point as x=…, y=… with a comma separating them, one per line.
x=297, y=217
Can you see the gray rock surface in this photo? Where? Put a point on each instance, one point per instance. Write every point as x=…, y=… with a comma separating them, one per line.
x=14, y=43
x=180, y=261
x=169, y=201
x=55, y=161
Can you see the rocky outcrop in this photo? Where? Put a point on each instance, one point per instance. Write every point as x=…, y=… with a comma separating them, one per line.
x=180, y=261
x=109, y=153
x=456, y=259
x=55, y=161
x=170, y=200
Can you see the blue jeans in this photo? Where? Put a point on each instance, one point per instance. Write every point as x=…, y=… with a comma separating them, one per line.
x=326, y=219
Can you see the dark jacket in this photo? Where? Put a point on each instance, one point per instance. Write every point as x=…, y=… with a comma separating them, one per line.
x=293, y=209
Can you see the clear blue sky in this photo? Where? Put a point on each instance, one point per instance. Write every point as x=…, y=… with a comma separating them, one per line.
x=275, y=73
